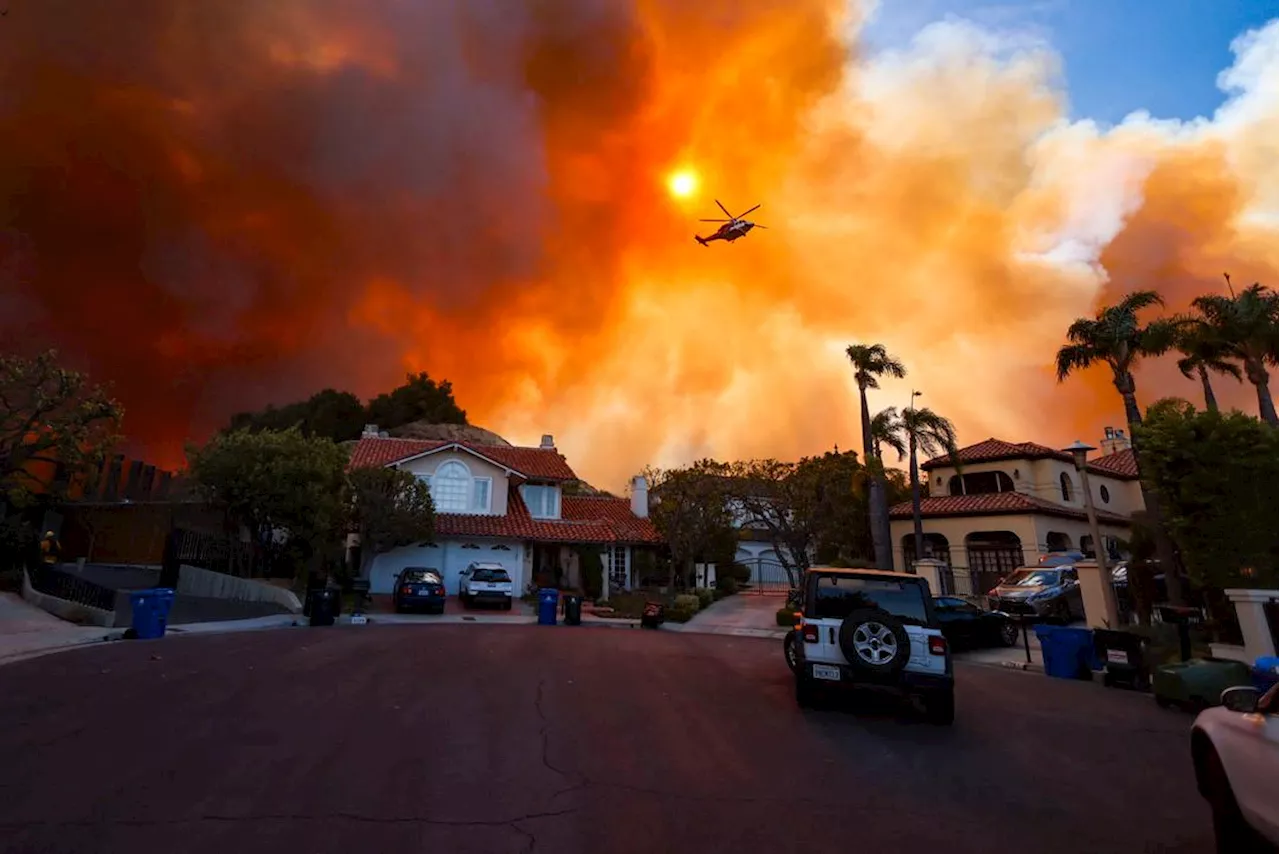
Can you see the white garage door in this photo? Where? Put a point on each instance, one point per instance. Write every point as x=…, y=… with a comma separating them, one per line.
x=382, y=575
x=460, y=555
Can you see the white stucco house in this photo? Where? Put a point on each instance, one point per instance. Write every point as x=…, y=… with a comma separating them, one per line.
x=1012, y=502
x=507, y=505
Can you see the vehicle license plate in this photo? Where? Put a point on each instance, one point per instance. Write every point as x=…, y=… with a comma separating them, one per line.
x=821, y=671
x=1117, y=656
x=359, y=619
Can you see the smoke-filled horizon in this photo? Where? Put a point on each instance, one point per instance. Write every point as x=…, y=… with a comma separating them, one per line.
x=216, y=206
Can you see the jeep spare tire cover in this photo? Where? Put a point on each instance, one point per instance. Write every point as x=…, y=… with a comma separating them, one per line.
x=875, y=641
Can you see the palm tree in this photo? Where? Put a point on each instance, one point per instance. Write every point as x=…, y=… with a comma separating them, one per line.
x=1116, y=338
x=921, y=431
x=1247, y=323
x=884, y=432
x=1203, y=350
x=870, y=362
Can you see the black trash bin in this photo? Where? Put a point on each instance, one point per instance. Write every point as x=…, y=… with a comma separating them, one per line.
x=324, y=606
x=572, y=609
x=1184, y=618
x=1124, y=659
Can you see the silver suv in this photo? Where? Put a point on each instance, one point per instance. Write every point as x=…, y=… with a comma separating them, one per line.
x=868, y=628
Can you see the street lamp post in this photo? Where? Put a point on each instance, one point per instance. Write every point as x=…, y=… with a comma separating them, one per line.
x=917, y=525
x=1079, y=452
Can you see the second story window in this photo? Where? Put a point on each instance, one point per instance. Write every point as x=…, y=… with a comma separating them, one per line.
x=542, y=500
x=451, y=488
x=980, y=483
x=1064, y=480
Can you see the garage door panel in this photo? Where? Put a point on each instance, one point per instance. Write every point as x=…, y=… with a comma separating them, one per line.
x=506, y=554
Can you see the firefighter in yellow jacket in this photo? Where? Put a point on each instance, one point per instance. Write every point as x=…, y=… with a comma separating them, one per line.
x=50, y=549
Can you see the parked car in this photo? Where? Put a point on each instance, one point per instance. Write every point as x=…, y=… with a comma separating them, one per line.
x=862, y=628
x=1234, y=750
x=964, y=624
x=418, y=587
x=486, y=583
x=1047, y=592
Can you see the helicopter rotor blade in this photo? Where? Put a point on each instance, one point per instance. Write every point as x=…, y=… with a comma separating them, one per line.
x=723, y=208
x=744, y=213
x=758, y=225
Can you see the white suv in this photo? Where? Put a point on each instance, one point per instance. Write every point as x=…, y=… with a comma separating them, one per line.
x=868, y=628
x=1234, y=749
x=486, y=582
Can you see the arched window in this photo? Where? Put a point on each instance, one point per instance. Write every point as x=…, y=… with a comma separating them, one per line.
x=451, y=488
x=1064, y=480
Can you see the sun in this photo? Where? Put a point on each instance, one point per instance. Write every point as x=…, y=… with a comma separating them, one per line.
x=683, y=183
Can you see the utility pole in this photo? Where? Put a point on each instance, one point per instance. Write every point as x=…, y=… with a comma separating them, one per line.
x=1079, y=451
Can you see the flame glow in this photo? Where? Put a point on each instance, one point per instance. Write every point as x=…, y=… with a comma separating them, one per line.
x=333, y=192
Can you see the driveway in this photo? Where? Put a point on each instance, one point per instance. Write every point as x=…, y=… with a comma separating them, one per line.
x=472, y=738
x=738, y=612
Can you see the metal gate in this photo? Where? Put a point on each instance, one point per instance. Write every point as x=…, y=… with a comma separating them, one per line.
x=765, y=576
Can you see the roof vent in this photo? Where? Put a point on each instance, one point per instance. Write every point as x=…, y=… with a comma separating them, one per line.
x=548, y=442
x=370, y=431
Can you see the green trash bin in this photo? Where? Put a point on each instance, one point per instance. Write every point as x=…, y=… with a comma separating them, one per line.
x=1197, y=684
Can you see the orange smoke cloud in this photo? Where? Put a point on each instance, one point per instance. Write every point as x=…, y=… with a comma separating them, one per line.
x=217, y=206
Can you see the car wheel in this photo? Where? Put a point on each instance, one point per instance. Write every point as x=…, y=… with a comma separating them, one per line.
x=506, y=606
x=1009, y=633
x=1231, y=833
x=940, y=707
x=806, y=692
x=789, y=651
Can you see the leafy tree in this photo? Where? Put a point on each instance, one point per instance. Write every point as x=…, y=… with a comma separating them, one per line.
x=55, y=427
x=870, y=363
x=388, y=508
x=808, y=507
x=1217, y=476
x=336, y=415
x=276, y=483
x=691, y=511
x=1247, y=322
x=1203, y=351
x=1115, y=337
x=920, y=430
x=419, y=399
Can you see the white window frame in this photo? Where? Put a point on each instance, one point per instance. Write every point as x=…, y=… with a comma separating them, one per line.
x=485, y=506
x=467, y=490
x=537, y=512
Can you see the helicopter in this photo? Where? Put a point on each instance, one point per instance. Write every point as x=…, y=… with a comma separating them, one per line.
x=733, y=228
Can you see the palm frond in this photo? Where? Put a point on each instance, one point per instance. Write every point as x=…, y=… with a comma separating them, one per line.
x=1074, y=357
x=886, y=431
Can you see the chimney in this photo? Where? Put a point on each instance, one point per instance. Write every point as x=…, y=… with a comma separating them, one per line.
x=370, y=431
x=1114, y=441
x=640, y=496
x=548, y=442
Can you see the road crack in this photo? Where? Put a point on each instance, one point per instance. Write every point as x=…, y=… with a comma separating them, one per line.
x=544, y=735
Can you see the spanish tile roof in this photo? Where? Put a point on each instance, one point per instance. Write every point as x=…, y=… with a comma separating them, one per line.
x=994, y=504
x=531, y=463
x=1118, y=465
x=585, y=519
x=1123, y=464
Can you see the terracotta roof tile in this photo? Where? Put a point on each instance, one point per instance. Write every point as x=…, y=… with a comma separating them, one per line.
x=994, y=504
x=534, y=463
x=1123, y=464
x=1119, y=465
x=585, y=519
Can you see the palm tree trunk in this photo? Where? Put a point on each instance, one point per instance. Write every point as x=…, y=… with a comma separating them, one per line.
x=1210, y=402
x=917, y=525
x=877, y=499
x=1164, y=544
x=1261, y=380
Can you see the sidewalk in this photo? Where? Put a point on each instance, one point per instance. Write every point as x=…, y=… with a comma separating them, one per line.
x=27, y=631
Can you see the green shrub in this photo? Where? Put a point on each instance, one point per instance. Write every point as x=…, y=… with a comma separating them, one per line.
x=687, y=601
x=705, y=597
x=681, y=613
x=738, y=572
x=786, y=617
x=727, y=585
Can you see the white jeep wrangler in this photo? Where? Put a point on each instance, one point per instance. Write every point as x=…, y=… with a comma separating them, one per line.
x=869, y=628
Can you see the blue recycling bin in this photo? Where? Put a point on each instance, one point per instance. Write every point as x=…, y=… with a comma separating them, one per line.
x=548, y=599
x=1068, y=653
x=151, y=611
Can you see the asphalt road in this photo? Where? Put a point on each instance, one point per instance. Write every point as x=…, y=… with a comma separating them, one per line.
x=489, y=738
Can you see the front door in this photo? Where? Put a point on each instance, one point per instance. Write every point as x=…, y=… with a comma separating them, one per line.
x=546, y=565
